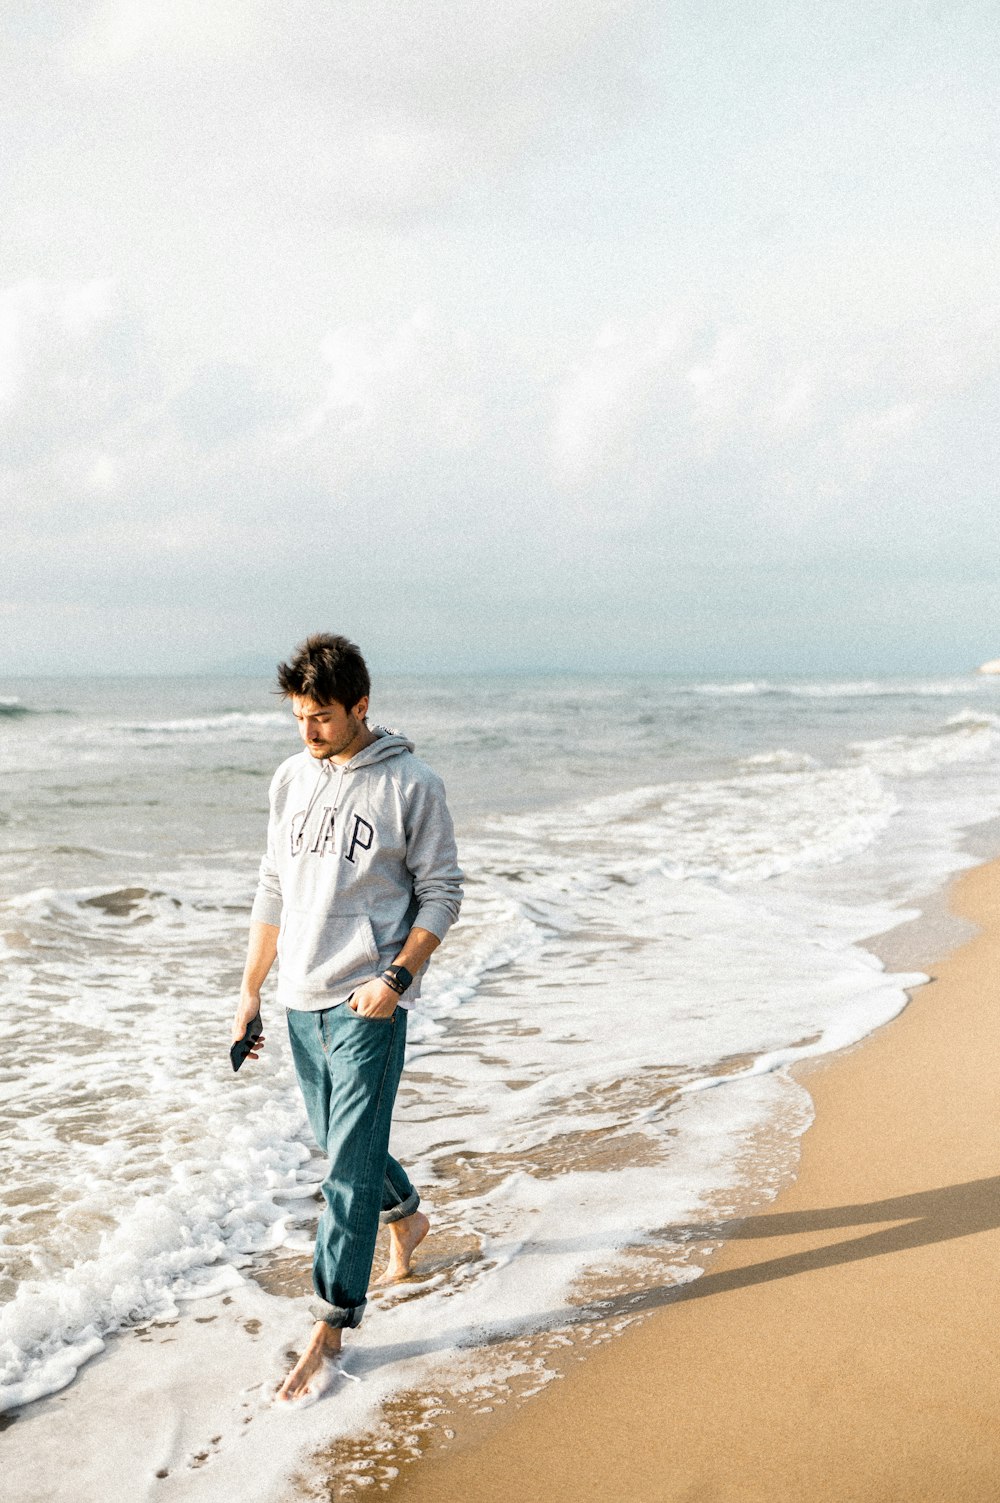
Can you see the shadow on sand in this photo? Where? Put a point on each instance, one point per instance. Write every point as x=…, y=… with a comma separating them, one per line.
x=923, y=1218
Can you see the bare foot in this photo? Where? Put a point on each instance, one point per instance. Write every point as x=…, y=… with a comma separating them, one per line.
x=307, y=1377
x=404, y=1238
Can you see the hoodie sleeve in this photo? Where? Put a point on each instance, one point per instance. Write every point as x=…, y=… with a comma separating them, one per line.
x=432, y=857
x=267, y=900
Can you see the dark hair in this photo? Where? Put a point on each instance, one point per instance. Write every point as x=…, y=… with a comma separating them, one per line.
x=326, y=669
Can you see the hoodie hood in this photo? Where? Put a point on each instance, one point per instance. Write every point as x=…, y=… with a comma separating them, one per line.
x=387, y=744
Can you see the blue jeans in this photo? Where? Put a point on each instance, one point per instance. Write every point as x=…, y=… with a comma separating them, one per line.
x=348, y=1068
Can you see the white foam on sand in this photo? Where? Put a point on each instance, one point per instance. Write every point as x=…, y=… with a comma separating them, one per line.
x=198, y=1387
x=534, y=1070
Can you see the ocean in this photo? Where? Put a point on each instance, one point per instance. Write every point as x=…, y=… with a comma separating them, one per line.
x=674, y=892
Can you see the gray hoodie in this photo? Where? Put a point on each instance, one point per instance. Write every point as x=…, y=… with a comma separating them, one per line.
x=357, y=853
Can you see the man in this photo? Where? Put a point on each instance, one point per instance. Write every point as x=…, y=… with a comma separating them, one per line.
x=359, y=886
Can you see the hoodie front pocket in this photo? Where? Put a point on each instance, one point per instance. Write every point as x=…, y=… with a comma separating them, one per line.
x=321, y=950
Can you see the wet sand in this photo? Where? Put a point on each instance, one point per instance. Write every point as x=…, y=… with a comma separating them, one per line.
x=842, y=1347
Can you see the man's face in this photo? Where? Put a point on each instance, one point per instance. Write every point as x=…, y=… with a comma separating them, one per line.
x=329, y=730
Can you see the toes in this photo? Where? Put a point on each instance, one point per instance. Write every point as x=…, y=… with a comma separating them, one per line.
x=291, y=1387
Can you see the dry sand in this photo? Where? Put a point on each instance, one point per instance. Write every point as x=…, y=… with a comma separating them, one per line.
x=843, y=1346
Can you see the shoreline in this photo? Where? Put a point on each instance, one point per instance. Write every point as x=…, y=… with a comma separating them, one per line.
x=838, y=1345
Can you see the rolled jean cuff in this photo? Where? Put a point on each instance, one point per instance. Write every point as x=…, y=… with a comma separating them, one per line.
x=333, y=1315
x=399, y=1213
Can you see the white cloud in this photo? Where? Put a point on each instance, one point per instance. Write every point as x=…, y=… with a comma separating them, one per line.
x=418, y=382
x=43, y=330
x=799, y=419
x=73, y=383
x=102, y=474
x=377, y=46
x=664, y=392
x=123, y=38
x=539, y=291
x=380, y=106
x=675, y=425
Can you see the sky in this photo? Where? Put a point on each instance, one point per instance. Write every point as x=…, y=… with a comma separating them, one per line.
x=591, y=336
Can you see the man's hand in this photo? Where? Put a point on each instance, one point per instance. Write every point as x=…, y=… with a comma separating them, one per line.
x=374, y=1000
x=249, y=1007
x=262, y=948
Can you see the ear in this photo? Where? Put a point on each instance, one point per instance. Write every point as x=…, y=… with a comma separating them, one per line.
x=361, y=708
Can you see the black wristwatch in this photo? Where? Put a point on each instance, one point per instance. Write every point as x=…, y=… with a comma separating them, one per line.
x=398, y=977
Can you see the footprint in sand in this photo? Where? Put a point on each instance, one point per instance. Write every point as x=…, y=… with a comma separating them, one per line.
x=259, y=1403
x=200, y=1457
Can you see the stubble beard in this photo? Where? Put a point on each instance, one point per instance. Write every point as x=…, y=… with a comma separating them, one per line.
x=325, y=749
